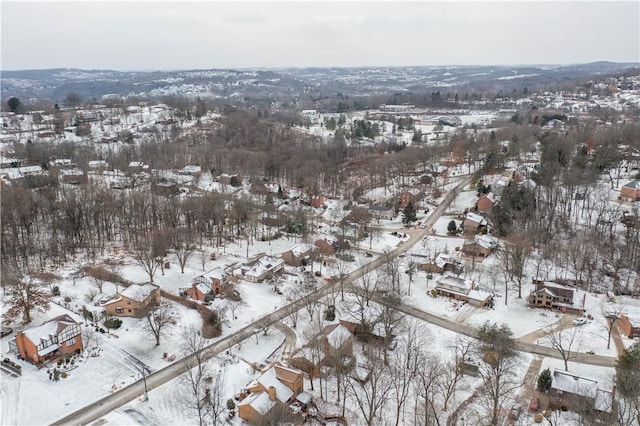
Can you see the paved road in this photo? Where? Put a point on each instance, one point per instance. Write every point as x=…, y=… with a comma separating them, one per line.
x=105, y=405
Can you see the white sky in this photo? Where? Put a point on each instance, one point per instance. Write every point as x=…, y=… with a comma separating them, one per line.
x=150, y=35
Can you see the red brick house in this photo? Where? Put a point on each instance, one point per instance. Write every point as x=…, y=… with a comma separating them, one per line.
x=212, y=282
x=134, y=301
x=52, y=340
x=631, y=191
x=486, y=203
x=630, y=325
x=555, y=296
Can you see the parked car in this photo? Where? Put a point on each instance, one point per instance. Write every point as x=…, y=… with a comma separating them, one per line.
x=534, y=404
x=580, y=321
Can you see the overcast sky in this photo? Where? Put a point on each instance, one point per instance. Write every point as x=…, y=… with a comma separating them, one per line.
x=151, y=35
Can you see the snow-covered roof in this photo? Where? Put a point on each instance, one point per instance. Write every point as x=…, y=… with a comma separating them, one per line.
x=301, y=249
x=572, y=383
x=634, y=184
x=136, y=164
x=191, y=169
x=304, y=397
x=71, y=172
x=262, y=265
x=480, y=220
x=217, y=273
x=53, y=327
x=269, y=378
x=486, y=241
x=448, y=280
x=338, y=336
x=603, y=401
x=139, y=292
x=94, y=164
x=260, y=402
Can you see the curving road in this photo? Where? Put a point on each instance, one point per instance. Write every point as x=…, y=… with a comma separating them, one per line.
x=110, y=402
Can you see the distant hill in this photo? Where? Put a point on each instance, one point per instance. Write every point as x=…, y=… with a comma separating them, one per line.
x=288, y=83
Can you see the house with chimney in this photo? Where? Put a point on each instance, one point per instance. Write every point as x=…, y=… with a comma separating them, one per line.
x=134, y=301
x=261, y=267
x=277, y=386
x=485, y=204
x=474, y=223
x=298, y=255
x=552, y=295
x=578, y=393
x=213, y=282
x=52, y=340
x=461, y=289
x=482, y=245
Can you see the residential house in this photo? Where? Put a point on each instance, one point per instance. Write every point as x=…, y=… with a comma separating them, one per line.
x=326, y=246
x=55, y=338
x=382, y=212
x=629, y=324
x=409, y=196
x=552, y=295
x=474, y=223
x=261, y=267
x=225, y=179
x=337, y=340
x=298, y=254
x=278, y=385
x=442, y=263
x=579, y=393
x=631, y=191
x=482, y=245
x=485, y=203
x=98, y=165
x=212, y=282
x=460, y=289
x=191, y=170
x=61, y=163
x=364, y=325
x=134, y=301
x=73, y=176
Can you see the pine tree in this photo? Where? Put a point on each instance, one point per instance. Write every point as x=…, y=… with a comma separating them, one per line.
x=409, y=214
x=544, y=380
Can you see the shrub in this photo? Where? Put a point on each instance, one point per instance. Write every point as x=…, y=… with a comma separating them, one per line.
x=67, y=299
x=434, y=292
x=330, y=313
x=230, y=404
x=56, y=291
x=64, y=375
x=113, y=323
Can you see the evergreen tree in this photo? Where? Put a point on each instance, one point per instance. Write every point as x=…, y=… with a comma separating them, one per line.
x=545, y=380
x=628, y=372
x=13, y=104
x=452, y=227
x=409, y=214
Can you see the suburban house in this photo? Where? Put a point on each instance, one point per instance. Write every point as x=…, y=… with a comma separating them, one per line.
x=337, y=340
x=191, y=170
x=631, y=191
x=482, y=245
x=364, y=325
x=442, y=263
x=278, y=385
x=134, y=301
x=578, y=393
x=473, y=223
x=409, y=196
x=261, y=267
x=459, y=289
x=73, y=176
x=485, y=203
x=326, y=246
x=55, y=338
x=498, y=186
x=298, y=254
x=629, y=324
x=98, y=165
x=552, y=295
x=212, y=282
x=382, y=212
x=226, y=179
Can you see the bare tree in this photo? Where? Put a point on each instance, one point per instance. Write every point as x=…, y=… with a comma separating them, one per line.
x=24, y=297
x=404, y=367
x=496, y=347
x=315, y=348
x=513, y=256
x=372, y=395
x=206, y=388
x=563, y=342
x=613, y=314
x=157, y=321
x=233, y=306
x=183, y=248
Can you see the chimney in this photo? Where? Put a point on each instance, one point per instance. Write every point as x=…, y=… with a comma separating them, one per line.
x=272, y=393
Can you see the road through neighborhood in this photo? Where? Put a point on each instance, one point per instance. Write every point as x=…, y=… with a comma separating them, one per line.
x=110, y=402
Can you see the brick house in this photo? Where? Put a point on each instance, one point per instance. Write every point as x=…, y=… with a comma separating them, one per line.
x=630, y=325
x=631, y=191
x=55, y=338
x=578, y=393
x=134, y=301
x=261, y=267
x=474, y=223
x=382, y=212
x=277, y=386
x=442, y=263
x=212, y=282
x=298, y=254
x=555, y=296
x=326, y=246
x=482, y=245
x=459, y=289
x=485, y=203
